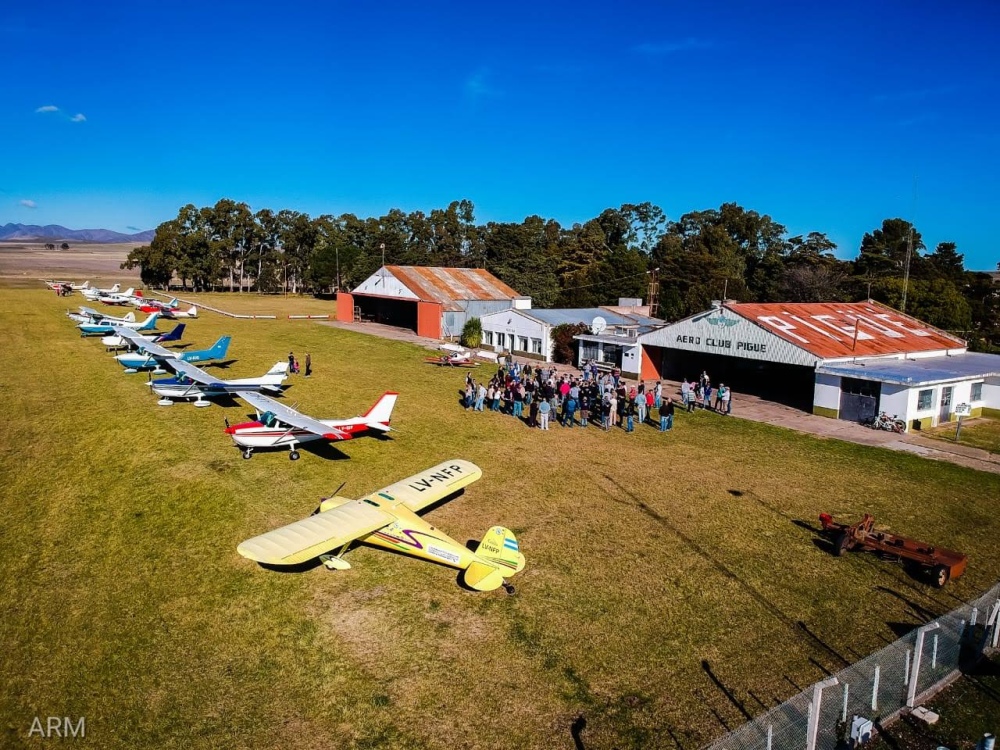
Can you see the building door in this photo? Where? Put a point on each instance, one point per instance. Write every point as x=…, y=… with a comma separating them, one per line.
x=859, y=400
x=945, y=414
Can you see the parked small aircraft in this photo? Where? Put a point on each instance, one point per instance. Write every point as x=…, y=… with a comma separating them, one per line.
x=92, y=292
x=104, y=327
x=457, y=359
x=118, y=342
x=171, y=309
x=150, y=355
x=388, y=518
x=89, y=315
x=57, y=285
x=123, y=298
x=280, y=426
x=194, y=383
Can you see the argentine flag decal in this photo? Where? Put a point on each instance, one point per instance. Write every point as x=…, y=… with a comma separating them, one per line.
x=510, y=544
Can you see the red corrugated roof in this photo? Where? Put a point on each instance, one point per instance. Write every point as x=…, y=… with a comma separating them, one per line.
x=827, y=329
x=446, y=285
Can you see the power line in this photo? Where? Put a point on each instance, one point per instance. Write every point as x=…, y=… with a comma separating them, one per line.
x=608, y=281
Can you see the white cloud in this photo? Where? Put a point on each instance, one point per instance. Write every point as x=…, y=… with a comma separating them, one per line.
x=28, y=203
x=78, y=118
x=48, y=108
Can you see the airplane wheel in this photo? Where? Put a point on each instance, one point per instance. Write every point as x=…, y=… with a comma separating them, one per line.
x=247, y=454
x=509, y=588
x=294, y=455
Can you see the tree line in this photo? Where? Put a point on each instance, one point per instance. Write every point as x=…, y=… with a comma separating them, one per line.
x=700, y=257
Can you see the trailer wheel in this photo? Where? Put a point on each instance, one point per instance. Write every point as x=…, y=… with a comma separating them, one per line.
x=841, y=543
x=940, y=576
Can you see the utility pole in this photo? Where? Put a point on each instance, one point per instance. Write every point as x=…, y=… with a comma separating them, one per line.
x=906, y=267
x=654, y=291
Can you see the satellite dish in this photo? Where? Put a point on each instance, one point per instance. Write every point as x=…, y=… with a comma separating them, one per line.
x=598, y=325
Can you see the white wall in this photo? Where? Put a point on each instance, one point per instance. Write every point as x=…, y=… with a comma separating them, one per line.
x=991, y=394
x=511, y=323
x=384, y=284
x=896, y=400
x=826, y=392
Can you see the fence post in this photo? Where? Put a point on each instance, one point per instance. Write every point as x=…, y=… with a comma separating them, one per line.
x=911, y=696
x=812, y=729
x=878, y=670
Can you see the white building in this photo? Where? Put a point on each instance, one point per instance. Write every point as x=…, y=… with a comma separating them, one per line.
x=842, y=360
x=527, y=332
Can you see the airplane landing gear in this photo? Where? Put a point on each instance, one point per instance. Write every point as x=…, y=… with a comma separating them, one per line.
x=293, y=455
x=247, y=453
x=509, y=588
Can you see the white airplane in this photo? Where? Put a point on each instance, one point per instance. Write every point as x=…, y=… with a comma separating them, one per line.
x=280, y=426
x=104, y=327
x=92, y=292
x=89, y=315
x=194, y=383
x=124, y=298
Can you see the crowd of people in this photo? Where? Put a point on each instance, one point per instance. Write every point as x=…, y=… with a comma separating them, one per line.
x=540, y=395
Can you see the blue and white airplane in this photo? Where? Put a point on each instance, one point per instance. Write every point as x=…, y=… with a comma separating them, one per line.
x=194, y=383
x=120, y=342
x=151, y=356
x=103, y=328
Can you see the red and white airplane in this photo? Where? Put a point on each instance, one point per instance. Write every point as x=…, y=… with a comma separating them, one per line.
x=456, y=359
x=280, y=426
x=171, y=309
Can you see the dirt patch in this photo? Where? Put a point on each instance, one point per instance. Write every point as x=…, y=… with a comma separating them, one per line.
x=32, y=261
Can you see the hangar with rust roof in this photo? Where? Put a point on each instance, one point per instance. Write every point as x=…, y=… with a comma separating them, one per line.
x=432, y=302
x=842, y=360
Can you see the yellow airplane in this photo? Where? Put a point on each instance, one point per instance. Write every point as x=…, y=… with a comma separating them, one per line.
x=388, y=518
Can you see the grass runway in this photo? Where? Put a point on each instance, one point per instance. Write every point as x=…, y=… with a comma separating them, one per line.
x=674, y=584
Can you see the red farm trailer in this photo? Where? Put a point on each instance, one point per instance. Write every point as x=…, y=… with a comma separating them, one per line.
x=942, y=564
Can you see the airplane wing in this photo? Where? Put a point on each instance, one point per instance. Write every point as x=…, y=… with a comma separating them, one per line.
x=303, y=540
x=428, y=487
x=144, y=344
x=195, y=373
x=90, y=311
x=288, y=415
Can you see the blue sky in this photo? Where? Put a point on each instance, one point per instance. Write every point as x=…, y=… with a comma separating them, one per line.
x=827, y=117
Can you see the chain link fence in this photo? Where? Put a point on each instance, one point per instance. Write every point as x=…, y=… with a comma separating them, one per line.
x=877, y=688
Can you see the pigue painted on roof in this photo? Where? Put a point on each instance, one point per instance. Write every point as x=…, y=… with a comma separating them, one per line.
x=831, y=330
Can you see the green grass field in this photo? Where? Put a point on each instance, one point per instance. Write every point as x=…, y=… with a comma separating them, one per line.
x=977, y=433
x=673, y=583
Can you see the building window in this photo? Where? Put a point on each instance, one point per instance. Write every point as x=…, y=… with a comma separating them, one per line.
x=522, y=343
x=977, y=392
x=488, y=338
x=536, y=346
x=501, y=340
x=860, y=387
x=925, y=399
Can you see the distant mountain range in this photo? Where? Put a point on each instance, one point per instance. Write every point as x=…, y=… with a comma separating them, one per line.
x=50, y=232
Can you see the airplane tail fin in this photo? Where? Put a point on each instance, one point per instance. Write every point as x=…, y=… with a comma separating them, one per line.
x=130, y=292
x=280, y=368
x=129, y=317
x=173, y=303
x=380, y=414
x=193, y=312
x=497, y=557
x=138, y=294
x=150, y=322
x=115, y=289
x=218, y=351
x=174, y=335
